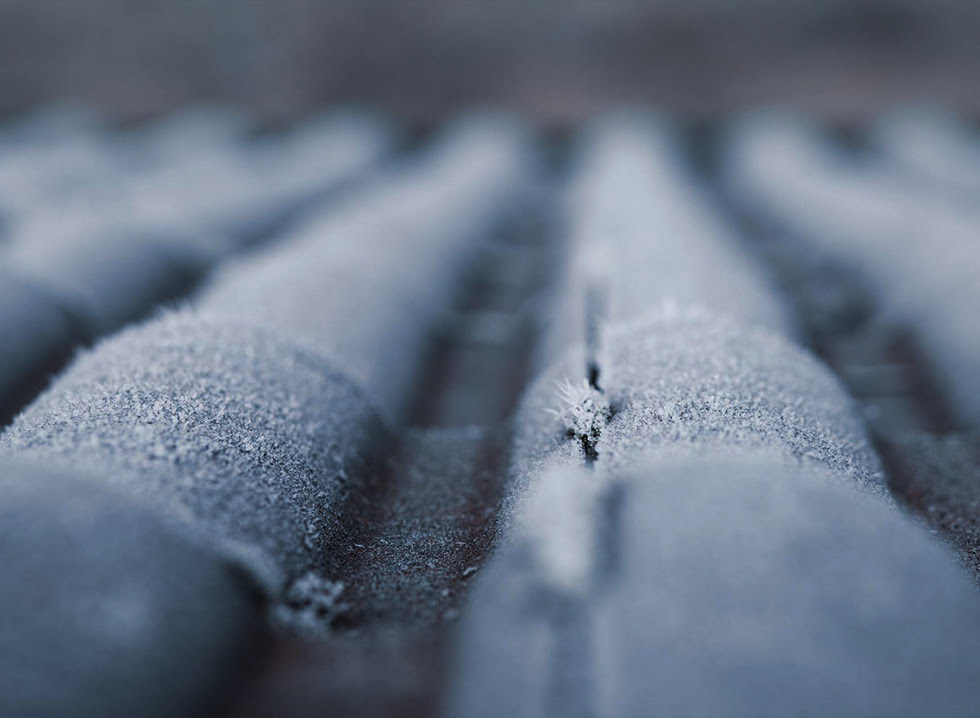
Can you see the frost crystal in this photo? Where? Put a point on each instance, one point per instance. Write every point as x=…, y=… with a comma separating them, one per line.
x=585, y=412
x=308, y=606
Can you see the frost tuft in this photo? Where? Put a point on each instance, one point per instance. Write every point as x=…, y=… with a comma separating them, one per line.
x=309, y=606
x=585, y=411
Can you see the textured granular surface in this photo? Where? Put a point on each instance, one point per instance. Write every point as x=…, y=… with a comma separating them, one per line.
x=939, y=477
x=688, y=380
x=257, y=440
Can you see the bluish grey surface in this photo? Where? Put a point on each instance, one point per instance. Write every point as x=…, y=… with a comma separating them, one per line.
x=40, y=332
x=115, y=247
x=253, y=416
x=224, y=192
x=938, y=476
x=254, y=439
x=937, y=149
x=366, y=281
x=567, y=619
x=54, y=122
x=50, y=156
x=739, y=587
x=109, y=608
x=691, y=380
x=185, y=132
x=917, y=254
x=259, y=409
x=233, y=193
x=642, y=229
x=115, y=278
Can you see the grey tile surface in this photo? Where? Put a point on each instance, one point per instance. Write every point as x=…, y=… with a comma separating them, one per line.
x=686, y=515
x=110, y=607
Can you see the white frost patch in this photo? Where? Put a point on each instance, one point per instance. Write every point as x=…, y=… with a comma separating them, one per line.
x=308, y=606
x=584, y=412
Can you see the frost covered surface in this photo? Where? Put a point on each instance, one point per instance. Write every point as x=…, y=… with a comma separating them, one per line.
x=255, y=439
x=678, y=383
x=742, y=588
x=704, y=382
x=428, y=532
x=366, y=280
x=690, y=380
x=258, y=411
x=939, y=477
x=641, y=226
x=584, y=411
x=108, y=608
x=919, y=255
x=116, y=247
x=308, y=605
